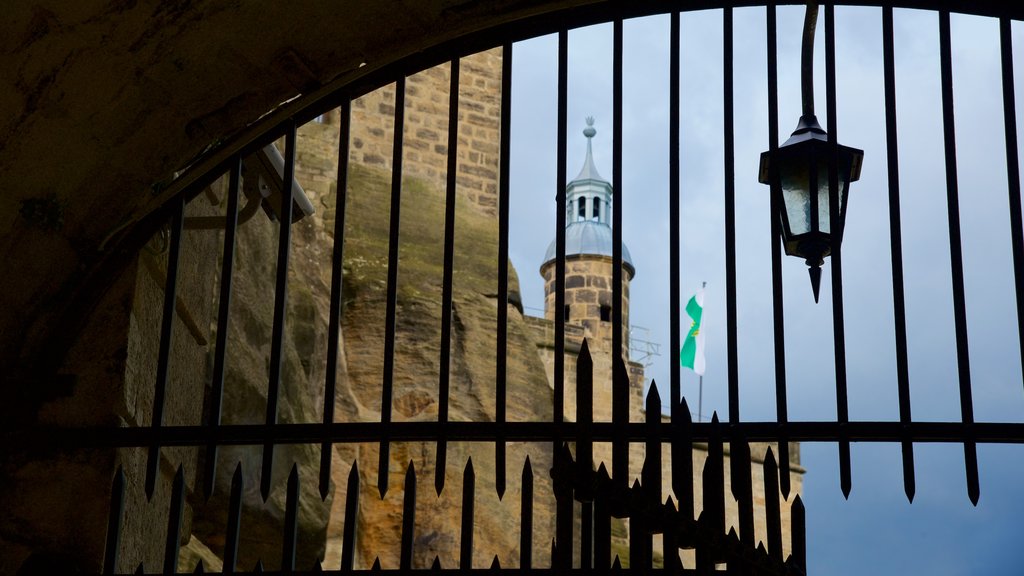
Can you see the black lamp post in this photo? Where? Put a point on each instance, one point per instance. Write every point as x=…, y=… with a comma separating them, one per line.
x=799, y=172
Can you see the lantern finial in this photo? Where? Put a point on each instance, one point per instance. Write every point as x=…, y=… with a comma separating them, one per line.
x=815, y=271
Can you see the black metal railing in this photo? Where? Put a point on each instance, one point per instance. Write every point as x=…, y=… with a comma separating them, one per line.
x=601, y=495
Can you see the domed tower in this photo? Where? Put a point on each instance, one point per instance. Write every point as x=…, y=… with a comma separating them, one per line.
x=588, y=257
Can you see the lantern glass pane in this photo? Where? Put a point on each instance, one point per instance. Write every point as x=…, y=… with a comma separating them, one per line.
x=824, y=224
x=796, y=197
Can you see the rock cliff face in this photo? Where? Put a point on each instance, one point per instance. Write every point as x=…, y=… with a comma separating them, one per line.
x=360, y=370
x=417, y=372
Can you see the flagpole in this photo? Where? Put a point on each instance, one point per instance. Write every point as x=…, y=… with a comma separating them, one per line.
x=700, y=389
x=700, y=398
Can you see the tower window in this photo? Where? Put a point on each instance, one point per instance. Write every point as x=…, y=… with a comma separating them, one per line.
x=597, y=209
x=565, y=313
x=606, y=313
x=583, y=209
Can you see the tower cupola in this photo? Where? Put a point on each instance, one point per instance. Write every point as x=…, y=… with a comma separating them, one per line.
x=588, y=204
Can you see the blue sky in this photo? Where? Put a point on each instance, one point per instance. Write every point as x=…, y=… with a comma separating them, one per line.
x=876, y=531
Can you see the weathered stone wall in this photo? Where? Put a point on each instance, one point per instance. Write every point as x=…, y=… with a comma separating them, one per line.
x=56, y=505
x=426, y=127
x=588, y=287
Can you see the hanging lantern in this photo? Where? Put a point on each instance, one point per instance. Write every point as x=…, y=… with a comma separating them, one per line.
x=799, y=170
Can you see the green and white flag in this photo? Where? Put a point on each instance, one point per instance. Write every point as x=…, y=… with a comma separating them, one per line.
x=692, y=354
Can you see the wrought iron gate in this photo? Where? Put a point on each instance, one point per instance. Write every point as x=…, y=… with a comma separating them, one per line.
x=602, y=494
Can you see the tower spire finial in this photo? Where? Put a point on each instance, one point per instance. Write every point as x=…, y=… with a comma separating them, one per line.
x=589, y=131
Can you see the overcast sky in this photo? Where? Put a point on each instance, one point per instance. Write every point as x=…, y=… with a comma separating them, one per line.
x=877, y=531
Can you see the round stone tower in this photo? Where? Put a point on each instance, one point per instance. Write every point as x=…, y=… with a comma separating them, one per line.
x=588, y=257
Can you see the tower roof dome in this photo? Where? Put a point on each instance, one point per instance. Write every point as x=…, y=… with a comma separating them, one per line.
x=588, y=201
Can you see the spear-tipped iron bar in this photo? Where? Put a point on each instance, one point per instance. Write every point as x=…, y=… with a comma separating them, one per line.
x=563, y=510
x=164, y=351
x=778, y=314
x=291, y=520
x=504, y=182
x=1013, y=173
x=682, y=460
x=620, y=376
x=798, y=529
x=446, y=282
x=280, y=304
x=602, y=523
x=728, y=135
x=175, y=515
x=652, y=459
x=620, y=420
x=714, y=480
x=384, y=462
x=742, y=489
x=674, y=255
x=896, y=247
x=586, y=535
x=584, y=422
x=112, y=550
x=772, y=513
x=838, y=324
x=408, y=518
x=337, y=262
x=526, y=518
x=560, y=218
x=466, y=535
x=348, y=538
x=223, y=317
x=234, y=522
x=956, y=257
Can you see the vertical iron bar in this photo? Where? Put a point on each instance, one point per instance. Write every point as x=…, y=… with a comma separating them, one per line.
x=896, y=248
x=112, y=551
x=586, y=535
x=291, y=520
x=714, y=483
x=620, y=416
x=348, y=538
x=560, y=219
x=742, y=488
x=223, y=316
x=337, y=262
x=781, y=402
x=174, y=518
x=563, y=511
x=466, y=537
x=682, y=461
x=956, y=257
x=652, y=460
x=526, y=518
x=799, y=534
x=446, y=282
x=389, y=322
x=773, y=516
x=639, y=538
x=838, y=327
x=234, y=522
x=602, y=523
x=620, y=377
x=674, y=256
x=166, y=329
x=1013, y=174
x=670, y=539
x=408, y=518
x=280, y=304
x=584, y=422
x=730, y=216
x=504, y=183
